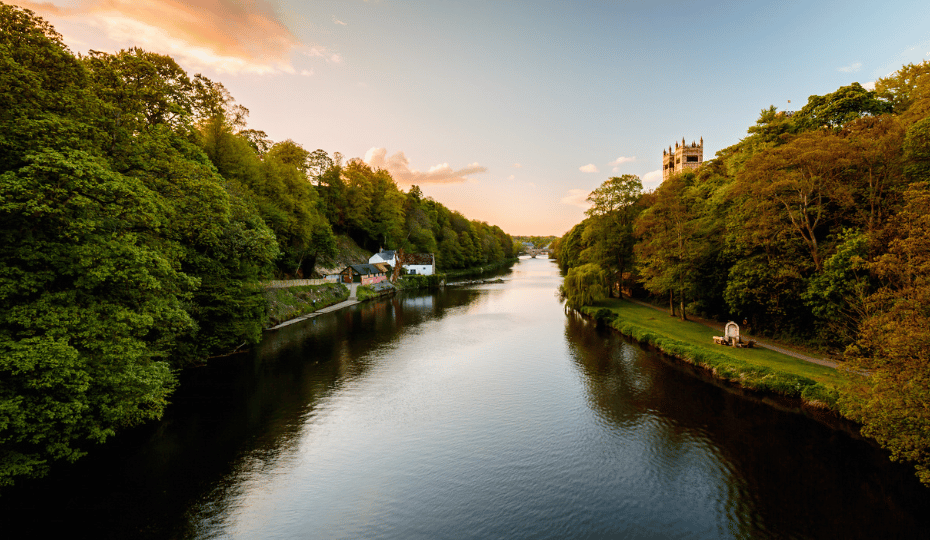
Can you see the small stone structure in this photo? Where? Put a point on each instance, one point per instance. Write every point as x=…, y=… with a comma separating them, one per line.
x=684, y=157
x=732, y=338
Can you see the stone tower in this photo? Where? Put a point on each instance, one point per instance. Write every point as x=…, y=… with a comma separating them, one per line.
x=683, y=157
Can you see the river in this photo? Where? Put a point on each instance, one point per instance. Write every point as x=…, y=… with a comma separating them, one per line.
x=480, y=412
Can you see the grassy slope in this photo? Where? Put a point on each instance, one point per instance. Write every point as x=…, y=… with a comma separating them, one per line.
x=761, y=369
x=347, y=252
x=287, y=303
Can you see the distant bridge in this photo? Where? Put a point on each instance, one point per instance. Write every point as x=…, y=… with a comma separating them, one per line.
x=534, y=252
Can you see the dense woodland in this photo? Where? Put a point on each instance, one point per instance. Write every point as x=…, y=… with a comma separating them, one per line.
x=138, y=216
x=815, y=228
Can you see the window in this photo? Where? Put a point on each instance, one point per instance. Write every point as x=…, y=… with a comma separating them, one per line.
x=692, y=159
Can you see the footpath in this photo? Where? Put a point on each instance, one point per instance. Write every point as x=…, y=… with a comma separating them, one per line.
x=765, y=343
x=351, y=301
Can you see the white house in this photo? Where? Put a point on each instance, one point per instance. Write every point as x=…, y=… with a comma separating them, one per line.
x=421, y=264
x=383, y=256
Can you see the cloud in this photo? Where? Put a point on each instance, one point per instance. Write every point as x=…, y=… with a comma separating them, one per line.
x=852, y=68
x=869, y=85
x=590, y=167
x=229, y=36
x=577, y=197
x=652, y=179
x=337, y=21
x=621, y=160
x=511, y=177
x=399, y=167
x=517, y=166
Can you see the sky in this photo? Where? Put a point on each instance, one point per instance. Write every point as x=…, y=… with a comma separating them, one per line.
x=510, y=112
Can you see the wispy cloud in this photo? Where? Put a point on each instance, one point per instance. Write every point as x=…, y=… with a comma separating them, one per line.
x=621, y=160
x=230, y=36
x=337, y=21
x=511, y=177
x=589, y=168
x=869, y=85
x=577, y=197
x=852, y=68
x=399, y=167
x=517, y=166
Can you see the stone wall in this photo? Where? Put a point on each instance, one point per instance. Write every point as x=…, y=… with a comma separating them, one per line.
x=282, y=284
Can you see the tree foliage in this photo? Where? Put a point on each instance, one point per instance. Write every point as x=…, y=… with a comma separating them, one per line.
x=814, y=227
x=139, y=215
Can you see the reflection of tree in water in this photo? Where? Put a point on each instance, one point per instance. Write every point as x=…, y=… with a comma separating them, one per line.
x=782, y=472
x=229, y=424
x=295, y=370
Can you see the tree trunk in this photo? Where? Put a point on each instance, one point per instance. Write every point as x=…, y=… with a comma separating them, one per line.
x=620, y=290
x=681, y=297
x=671, y=303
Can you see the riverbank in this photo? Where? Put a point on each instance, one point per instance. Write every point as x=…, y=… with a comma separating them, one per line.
x=756, y=369
x=292, y=303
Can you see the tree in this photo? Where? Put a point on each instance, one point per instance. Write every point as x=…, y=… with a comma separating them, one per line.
x=905, y=87
x=844, y=105
x=584, y=285
x=610, y=232
x=893, y=349
x=669, y=240
x=318, y=162
x=91, y=302
x=291, y=153
x=798, y=187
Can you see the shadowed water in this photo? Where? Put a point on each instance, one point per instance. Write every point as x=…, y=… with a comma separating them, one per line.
x=472, y=413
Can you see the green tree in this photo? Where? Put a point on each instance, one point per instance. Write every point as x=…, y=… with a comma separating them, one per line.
x=609, y=235
x=584, y=285
x=844, y=105
x=291, y=153
x=91, y=299
x=670, y=242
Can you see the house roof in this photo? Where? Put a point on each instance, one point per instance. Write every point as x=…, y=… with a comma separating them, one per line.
x=384, y=267
x=386, y=254
x=365, y=269
x=418, y=258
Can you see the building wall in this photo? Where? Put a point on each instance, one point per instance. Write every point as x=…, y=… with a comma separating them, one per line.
x=419, y=269
x=371, y=279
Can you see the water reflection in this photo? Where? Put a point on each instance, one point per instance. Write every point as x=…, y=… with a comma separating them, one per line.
x=777, y=475
x=478, y=412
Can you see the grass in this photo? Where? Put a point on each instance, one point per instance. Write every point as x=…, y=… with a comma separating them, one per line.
x=757, y=368
x=287, y=303
x=364, y=293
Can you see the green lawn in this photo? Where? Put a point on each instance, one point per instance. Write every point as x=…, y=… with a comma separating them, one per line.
x=701, y=336
x=756, y=368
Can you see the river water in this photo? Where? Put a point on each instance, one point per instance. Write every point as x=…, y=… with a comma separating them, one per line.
x=481, y=412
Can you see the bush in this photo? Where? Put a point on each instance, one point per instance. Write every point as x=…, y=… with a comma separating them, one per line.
x=420, y=282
